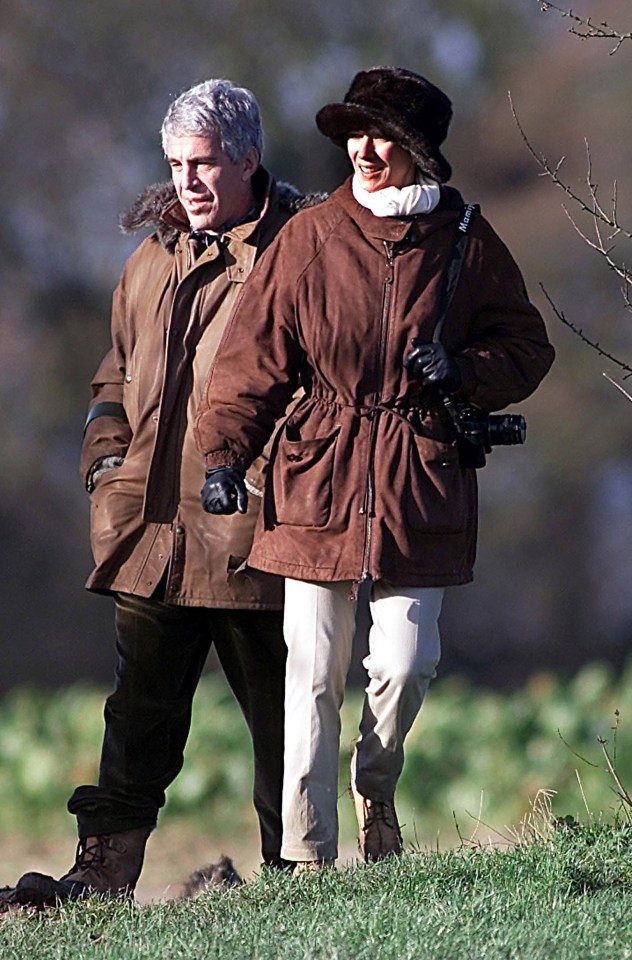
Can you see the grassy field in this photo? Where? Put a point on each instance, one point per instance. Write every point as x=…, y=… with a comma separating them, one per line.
x=480, y=877
x=566, y=896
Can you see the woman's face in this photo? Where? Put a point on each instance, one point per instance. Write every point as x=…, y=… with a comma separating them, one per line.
x=379, y=163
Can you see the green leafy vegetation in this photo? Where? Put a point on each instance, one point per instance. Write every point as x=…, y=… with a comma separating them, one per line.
x=541, y=867
x=475, y=758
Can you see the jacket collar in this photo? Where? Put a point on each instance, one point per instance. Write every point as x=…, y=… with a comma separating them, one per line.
x=394, y=229
x=238, y=244
x=148, y=210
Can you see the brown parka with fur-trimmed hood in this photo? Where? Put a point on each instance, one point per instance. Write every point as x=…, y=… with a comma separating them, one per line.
x=169, y=313
x=365, y=478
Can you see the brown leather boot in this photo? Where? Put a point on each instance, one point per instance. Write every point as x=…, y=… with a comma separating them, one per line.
x=108, y=865
x=379, y=835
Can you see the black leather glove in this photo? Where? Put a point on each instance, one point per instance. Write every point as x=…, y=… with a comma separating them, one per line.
x=224, y=491
x=431, y=364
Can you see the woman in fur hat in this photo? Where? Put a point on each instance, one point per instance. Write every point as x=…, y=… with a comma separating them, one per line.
x=391, y=324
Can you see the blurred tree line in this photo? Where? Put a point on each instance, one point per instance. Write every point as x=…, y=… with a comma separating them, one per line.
x=83, y=89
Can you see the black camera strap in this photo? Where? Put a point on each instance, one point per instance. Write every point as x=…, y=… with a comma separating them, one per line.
x=471, y=455
x=473, y=428
x=453, y=270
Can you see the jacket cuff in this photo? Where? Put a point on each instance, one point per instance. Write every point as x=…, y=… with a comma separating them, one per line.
x=225, y=458
x=99, y=467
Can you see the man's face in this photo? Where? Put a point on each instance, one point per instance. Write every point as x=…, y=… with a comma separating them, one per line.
x=212, y=189
x=379, y=163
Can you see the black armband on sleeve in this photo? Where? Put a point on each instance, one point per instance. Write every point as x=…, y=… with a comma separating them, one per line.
x=106, y=409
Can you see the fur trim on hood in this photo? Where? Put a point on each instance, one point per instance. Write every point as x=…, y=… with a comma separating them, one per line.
x=149, y=207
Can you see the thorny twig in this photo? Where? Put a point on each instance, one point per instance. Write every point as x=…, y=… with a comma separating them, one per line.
x=595, y=209
x=582, y=336
x=585, y=29
x=602, y=220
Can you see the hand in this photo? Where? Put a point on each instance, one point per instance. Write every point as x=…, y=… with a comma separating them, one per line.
x=431, y=364
x=224, y=491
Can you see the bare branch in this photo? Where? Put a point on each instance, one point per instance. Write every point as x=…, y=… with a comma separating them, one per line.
x=595, y=210
x=603, y=251
x=585, y=29
x=579, y=332
x=607, y=227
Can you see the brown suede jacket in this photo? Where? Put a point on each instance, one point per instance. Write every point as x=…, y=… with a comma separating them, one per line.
x=365, y=478
x=169, y=313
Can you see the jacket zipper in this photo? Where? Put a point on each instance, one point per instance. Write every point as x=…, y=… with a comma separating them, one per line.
x=369, y=500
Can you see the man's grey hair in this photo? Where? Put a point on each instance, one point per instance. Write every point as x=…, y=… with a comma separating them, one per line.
x=217, y=106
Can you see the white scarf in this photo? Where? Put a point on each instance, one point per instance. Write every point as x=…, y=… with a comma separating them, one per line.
x=420, y=197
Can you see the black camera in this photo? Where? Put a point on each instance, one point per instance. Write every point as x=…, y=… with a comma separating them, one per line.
x=477, y=432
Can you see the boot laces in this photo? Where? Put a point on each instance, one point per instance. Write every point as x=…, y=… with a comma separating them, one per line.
x=90, y=855
x=377, y=812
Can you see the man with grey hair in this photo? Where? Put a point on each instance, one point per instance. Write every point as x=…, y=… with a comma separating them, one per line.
x=179, y=579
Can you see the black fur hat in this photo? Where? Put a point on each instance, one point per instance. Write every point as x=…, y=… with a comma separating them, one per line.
x=409, y=109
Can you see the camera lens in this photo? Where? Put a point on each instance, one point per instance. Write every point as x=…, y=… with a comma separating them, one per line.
x=506, y=429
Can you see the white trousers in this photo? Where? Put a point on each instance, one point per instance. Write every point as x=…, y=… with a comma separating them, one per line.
x=404, y=650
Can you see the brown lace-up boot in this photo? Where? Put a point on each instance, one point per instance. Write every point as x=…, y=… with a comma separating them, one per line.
x=379, y=835
x=108, y=865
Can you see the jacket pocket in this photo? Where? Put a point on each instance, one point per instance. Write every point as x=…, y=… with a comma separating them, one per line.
x=115, y=515
x=439, y=494
x=303, y=472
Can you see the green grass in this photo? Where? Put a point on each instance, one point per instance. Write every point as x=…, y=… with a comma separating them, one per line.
x=528, y=768
x=567, y=896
